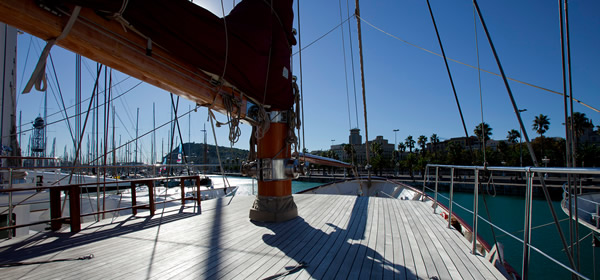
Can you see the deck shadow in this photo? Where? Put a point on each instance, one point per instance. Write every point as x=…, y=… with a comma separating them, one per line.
x=36, y=245
x=334, y=251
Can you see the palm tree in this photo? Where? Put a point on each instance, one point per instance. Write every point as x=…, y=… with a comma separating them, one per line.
x=422, y=142
x=410, y=143
x=349, y=151
x=434, y=139
x=402, y=149
x=483, y=132
x=580, y=124
x=541, y=124
x=512, y=136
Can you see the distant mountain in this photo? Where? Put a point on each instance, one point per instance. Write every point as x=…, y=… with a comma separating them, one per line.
x=194, y=153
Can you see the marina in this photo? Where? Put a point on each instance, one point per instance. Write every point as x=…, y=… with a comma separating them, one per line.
x=282, y=203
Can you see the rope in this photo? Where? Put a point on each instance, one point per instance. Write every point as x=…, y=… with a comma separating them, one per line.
x=362, y=78
x=211, y=116
x=82, y=258
x=292, y=270
x=38, y=77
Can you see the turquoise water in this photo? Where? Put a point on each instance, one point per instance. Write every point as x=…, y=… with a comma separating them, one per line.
x=248, y=186
x=508, y=213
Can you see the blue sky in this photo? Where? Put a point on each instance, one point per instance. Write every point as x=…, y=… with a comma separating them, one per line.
x=407, y=88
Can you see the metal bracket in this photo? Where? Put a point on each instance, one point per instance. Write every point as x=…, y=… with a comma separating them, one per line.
x=273, y=169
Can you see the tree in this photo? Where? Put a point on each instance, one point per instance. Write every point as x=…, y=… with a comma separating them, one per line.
x=410, y=143
x=580, y=124
x=541, y=124
x=402, y=147
x=377, y=161
x=434, y=139
x=512, y=136
x=349, y=151
x=422, y=142
x=483, y=132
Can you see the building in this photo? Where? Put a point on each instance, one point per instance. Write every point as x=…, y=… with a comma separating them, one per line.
x=355, y=140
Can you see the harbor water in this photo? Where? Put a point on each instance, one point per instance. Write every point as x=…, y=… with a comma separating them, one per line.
x=507, y=212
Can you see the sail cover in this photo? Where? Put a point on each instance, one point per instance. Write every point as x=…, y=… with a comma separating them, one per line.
x=255, y=57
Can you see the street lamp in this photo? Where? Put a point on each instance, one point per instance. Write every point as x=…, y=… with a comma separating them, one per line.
x=395, y=147
x=521, y=138
x=332, y=143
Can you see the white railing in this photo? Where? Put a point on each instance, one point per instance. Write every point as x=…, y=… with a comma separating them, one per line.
x=530, y=173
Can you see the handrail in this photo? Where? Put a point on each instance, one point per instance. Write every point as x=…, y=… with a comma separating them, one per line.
x=74, y=203
x=554, y=170
x=529, y=171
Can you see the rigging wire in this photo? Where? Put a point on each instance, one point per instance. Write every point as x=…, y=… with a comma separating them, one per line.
x=26, y=59
x=482, y=129
x=527, y=141
x=475, y=67
x=462, y=118
x=61, y=98
x=301, y=80
x=322, y=36
x=345, y=67
x=352, y=62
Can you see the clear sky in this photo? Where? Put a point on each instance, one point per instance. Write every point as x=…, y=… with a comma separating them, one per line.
x=407, y=88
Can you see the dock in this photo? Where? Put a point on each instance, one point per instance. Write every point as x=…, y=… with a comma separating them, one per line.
x=334, y=237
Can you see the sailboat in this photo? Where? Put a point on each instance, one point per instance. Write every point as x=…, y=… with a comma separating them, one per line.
x=372, y=228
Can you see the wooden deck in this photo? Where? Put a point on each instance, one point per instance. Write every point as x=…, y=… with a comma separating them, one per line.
x=335, y=236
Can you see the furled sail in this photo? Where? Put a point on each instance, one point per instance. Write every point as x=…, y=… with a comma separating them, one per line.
x=250, y=48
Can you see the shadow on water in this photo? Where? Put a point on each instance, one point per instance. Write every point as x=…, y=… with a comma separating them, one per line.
x=335, y=251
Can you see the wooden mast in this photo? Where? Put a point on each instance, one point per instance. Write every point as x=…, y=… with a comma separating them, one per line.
x=108, y=43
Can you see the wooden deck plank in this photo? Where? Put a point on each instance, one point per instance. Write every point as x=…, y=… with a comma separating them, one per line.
x=367, y=264
x=380, y=249
x=419, y=260
x=243, y=243
x=265, y=251
x=329, y=244
x=357, y=262
x=344, y=263
x=457, y=254
x=303, y=233
x=459, y=249
x=437, y=266
x=331, y=263
x=402, y=253
x=338, y=236
x=320, y=237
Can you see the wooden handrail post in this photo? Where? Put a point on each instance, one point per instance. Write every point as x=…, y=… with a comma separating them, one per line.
x=75, y=208
x=55, y=208
x=182, y=191
x=133, y=199
x=151, y=197
x=198, y=184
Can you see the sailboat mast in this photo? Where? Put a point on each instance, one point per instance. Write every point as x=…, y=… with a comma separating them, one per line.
x=153, y=157
x=362, y=79
x=137, y=121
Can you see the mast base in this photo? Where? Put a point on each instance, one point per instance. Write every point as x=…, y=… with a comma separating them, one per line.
x=273, y=209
